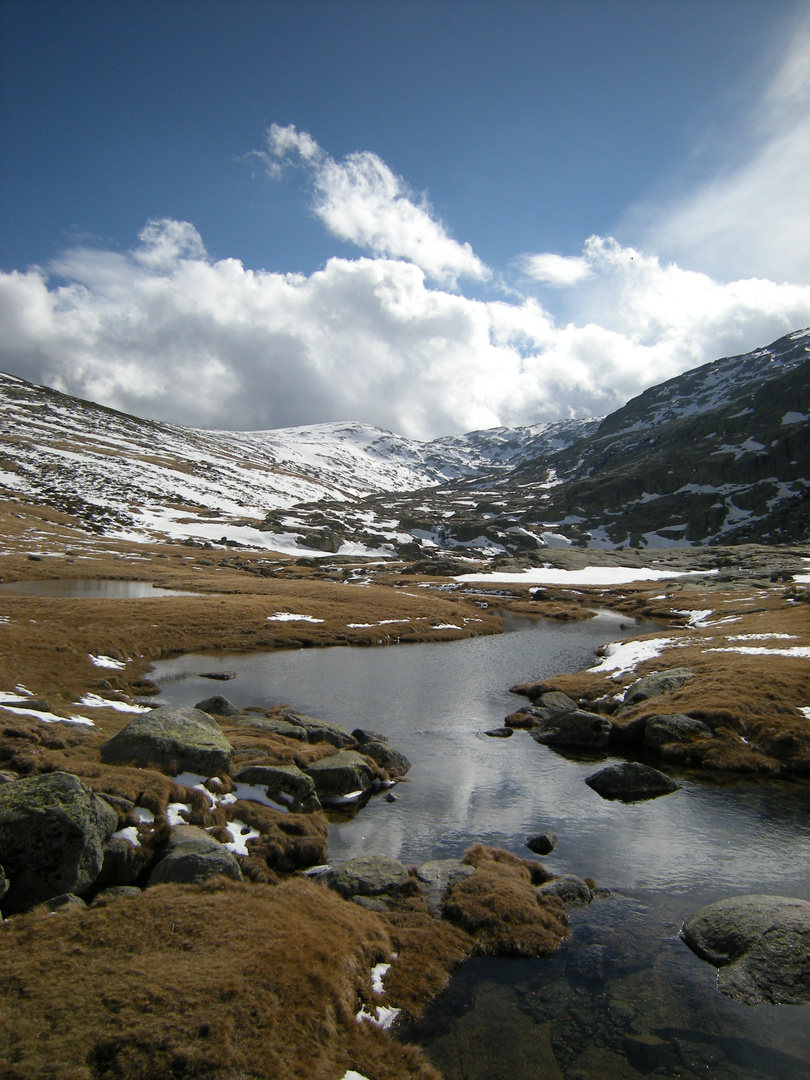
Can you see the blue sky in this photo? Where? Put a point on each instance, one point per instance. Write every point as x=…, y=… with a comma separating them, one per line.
x=427, y=216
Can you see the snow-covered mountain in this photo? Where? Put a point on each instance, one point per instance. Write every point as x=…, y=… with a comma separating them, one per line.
x=721, y=453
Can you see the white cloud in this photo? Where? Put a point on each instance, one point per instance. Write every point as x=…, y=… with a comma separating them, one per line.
x=752, y=216
x=165, y=331
x=361, y=200
x=561, y=270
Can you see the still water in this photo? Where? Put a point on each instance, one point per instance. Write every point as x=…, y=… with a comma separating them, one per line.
x=90, y=589
x=624, y=997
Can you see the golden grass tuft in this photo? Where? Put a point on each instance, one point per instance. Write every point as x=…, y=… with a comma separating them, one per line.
x=219, y=981
x=499, y=906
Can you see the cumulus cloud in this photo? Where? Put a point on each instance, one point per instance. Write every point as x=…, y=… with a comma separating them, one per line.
x=361, y=200
x=559, y=270
x=165, y=331
x=749, y=218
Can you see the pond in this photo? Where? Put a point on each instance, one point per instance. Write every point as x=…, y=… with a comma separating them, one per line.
x=90, y=589
x=624, y=997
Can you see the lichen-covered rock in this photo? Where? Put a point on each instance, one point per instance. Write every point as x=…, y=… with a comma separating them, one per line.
x=631, y=781
x=571, y=890
x=321, y=730
x=369, y=875
x=573, y=729
x=340, y=775
x=193, y=856
x=173, y=739
x=761, y=944
x=273, y=725
x=53, y=829
x=673, y=727
x=284, y=784
x=659, y=682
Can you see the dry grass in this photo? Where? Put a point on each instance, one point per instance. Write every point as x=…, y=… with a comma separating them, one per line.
x=221, y=982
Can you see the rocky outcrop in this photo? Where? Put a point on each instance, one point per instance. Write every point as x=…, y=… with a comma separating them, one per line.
x=284, y=784
x=631, y=781
x=344, y=773
x=53, y=829
x=369, y=875
x=659, y=682
x=321, y=730
x=573, y=729
x=761, y=944
x=193, y=856
x=673, y=728
x=436, y=877
x=173, y=739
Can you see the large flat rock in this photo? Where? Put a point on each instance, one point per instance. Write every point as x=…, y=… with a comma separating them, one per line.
x=173, y=739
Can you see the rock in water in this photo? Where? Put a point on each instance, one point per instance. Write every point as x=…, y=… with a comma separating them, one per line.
x=369, y=875
x=53, y=829
x=344, y=773
x=761, y=944
x=573, y=729
x=542, y=843
x=631, y=781
x=173, y=739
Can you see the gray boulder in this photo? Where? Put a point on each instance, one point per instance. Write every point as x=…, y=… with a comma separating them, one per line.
x=192, y=856
x=573, y=729
x=284, y=784
x=542, y=843
x=573, y=891
x=66, y=902
x=673, y=728
x=274, y=726
x=53, y=829
x=659, y=682
x=378, y=748
x=342, y=774
x=369, y=875
x=218, y=706
x=173, y=739
x=555, y=702
x=631, y=781
x=761, y=944
x=321, y=730
x=437, y=876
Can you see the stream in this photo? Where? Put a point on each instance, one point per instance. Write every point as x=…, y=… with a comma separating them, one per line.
x=623, y=998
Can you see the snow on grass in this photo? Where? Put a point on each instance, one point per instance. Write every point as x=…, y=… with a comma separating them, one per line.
x=799, y=651
x=352, y=1075
x=805, y=711
x=378, y=973
x=10, y=701
x=762, y=637
x=107, y=662
x=697, y=618
x=382, y=622
x=94, y=701
x=144, y=816
x=288, y=616
x=130, y=834
x=174, y=812
x=385, y=1017
x=589, y=575
x=445, y=626
x=241, y=834
x=623, y=656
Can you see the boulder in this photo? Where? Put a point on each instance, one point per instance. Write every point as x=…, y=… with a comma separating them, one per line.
x=659, y=682
x=369, y=875
x=542, y=843
x=284, y=784
x=761, y=944
x=218, y=706
x=115, y=892
x=378, y=748
x=631, y=781
x=66, y=901
x=555, y=702
x=573, y=891
x=673, y=728
x=275, y=726
x=173, y=739
x=573, y=729
x=321, y=730
x=193, y=856
x=499, y=732
x=437, y=876
x=342, y=774
x=53, y=829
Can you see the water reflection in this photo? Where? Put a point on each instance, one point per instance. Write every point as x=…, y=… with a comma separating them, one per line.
x=90, y=589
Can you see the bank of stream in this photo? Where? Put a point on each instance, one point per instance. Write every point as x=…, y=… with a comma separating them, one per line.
x=624, y=997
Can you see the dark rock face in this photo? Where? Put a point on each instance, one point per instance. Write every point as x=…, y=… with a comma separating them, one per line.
x=381, y=752
x=499, y=733
x=218, y=706
x=761, y=944
x=659, y=682
x=673, y=727
x=284, y=784
x=573, y=891
x=437, y=876
x=340, y=775
x=321, y=730
x=172, y=739
x=631, y=781
x=542, y=843
x=53, y=829
x=577, y=728
x=370, y=875
x=193, y=856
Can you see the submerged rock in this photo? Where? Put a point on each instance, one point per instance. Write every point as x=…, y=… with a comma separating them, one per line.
x=53, y=829
x=631, y=781
x=761, y=944
x=192, y=856
x=173, y=739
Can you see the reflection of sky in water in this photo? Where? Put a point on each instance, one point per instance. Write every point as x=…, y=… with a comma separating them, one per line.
x=90, y=589
x=435, y=701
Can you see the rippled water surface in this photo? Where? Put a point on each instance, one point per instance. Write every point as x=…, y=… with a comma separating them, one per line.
x=624, y=998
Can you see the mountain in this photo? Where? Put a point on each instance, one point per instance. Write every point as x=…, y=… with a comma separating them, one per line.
x=718, y=454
